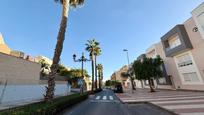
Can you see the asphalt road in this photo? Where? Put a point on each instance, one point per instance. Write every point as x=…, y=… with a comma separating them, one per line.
x=106, y=103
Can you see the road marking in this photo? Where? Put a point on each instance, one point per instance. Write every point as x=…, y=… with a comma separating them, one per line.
x=98, y=97
x=179, y=101
x=190, y=106
x=162, y=99
x=105, y=101
x=111, y=97
x=104, y=97
x=191, y=113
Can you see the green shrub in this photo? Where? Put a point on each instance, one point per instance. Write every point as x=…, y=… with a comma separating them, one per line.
x=50, y=108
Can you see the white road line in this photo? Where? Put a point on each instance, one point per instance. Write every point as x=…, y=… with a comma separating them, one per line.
x=111, y=97
x=179, y=101
x=104, y=97
x=163, y=99
x=98, y=97
x=167, y=96
x=191, y=106
x=191, y=114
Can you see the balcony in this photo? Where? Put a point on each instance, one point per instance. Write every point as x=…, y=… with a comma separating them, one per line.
x=176, y=41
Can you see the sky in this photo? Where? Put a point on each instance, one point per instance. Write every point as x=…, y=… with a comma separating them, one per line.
x=31, y=26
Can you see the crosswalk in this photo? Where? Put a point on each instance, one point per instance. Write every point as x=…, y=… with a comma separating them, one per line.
x=104, y=98
x=180, y=102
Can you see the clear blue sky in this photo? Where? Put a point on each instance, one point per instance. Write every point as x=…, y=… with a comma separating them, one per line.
x=32, y=25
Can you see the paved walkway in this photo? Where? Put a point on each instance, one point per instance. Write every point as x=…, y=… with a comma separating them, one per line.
x=180, y=102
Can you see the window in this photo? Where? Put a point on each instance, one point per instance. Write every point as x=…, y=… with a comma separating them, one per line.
x=201, y=20
x=190, y=77
x=184, y=60
x=174, y=42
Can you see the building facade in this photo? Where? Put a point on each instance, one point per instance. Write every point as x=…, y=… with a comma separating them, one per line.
x=152, y=52
x=118, y=76
x=3, y=47
x=181, y=49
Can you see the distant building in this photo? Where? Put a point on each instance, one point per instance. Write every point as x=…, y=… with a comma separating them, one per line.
x=46, y=59
x=3, y=47
x=118, y=76
x=17, y=54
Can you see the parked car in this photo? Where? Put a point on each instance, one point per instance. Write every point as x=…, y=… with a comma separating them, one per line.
x=118, y=88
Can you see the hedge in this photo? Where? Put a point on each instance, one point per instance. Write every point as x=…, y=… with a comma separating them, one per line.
x=50, y=108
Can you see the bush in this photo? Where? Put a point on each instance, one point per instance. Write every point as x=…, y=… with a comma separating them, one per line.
x=50, y=108
x=94, y=92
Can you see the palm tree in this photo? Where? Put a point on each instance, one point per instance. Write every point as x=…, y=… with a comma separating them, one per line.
x=59, y=46
x=96, y=53
x=100, y=74
x=92, y=46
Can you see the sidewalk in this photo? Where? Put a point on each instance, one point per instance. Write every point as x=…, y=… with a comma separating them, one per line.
x=180, y=102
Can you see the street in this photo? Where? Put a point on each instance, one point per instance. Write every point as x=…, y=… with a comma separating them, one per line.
x=106, y=103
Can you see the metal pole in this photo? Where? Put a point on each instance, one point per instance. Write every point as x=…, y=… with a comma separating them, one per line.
x=128, y=67
x=82, y=73
x=128, y=59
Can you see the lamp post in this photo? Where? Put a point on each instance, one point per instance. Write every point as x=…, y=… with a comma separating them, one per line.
x=82, y=60
x=125, y=50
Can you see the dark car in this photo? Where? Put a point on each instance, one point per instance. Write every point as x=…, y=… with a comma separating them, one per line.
x=118, y=88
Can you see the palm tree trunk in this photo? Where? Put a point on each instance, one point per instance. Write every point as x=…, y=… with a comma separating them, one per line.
x=99, y=78
x=92, y=65
x=96, y=82
x=150, y=86
x=132, y=83
x=58, y=50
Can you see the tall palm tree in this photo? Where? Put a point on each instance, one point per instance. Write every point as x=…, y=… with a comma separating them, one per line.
x=96, y=53
x=92, y=46
x=59, y=46
x=100, y=74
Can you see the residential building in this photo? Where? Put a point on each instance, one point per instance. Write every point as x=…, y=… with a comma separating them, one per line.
x=152, y=52
x=118, y=76
x=3, y=47
x=185, y=44
x=181, y=49
x=46, y=59
x=17, y=54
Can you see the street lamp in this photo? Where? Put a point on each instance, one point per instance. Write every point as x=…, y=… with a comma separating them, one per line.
x=125, y=50
x=82, y=60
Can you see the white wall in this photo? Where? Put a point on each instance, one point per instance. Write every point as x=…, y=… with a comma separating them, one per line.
x=20, y=82
x=19, y=94
x=16, y=68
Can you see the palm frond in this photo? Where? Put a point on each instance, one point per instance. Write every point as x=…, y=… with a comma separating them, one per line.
x=75, y=3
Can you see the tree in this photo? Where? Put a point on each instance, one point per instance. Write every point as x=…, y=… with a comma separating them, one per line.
x=100, y=74
x=96, y=53
x=148, y=69
x=59, y=46
x=45, y=67
x=131, y=76
x=92, y=46
x=108, y=83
